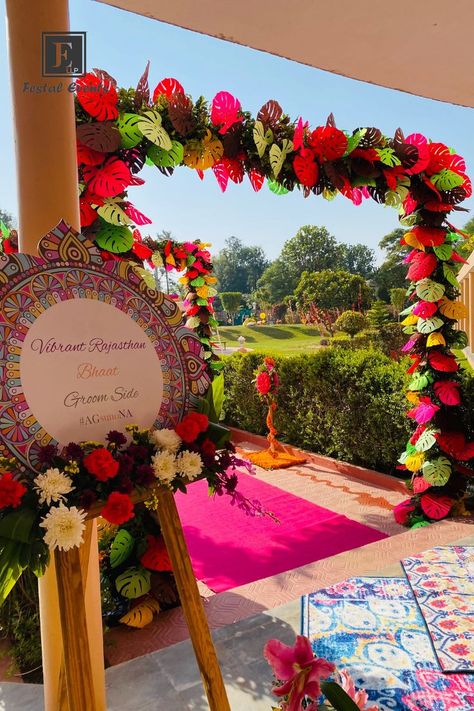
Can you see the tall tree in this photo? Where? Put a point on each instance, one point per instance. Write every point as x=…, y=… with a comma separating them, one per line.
x=239, y=267
x=333, y=289
x=312, y=249
x=359, y=259
x=275, y=283
x=392, y=272
x=231, y=301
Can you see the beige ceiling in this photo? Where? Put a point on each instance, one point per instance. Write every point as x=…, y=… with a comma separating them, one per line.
x=423, y=47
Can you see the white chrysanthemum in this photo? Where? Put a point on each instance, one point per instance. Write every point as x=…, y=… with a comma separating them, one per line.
x=189, y=464
x=64, y=527
x=164, y=466
x=165, y=439
x=52, y=486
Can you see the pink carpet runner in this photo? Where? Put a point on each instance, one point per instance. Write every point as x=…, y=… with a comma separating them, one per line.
x=229, y=548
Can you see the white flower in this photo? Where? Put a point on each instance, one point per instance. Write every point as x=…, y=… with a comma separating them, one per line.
x=165, y=439
x=164, y=465
x=189, y=464
x=52, y=486
x=64, y=527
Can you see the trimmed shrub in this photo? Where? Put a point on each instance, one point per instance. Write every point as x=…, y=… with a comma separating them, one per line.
x=351, y=322
x=349, y=405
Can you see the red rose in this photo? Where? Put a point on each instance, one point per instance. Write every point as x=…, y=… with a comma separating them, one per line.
x=101, y=464
x=11, y=491
x=208, y=448
x=118, y=508
x=156, y=556
x=263, y=383
x=188, y=430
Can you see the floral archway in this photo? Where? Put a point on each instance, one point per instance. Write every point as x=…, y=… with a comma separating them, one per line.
x=120, y=130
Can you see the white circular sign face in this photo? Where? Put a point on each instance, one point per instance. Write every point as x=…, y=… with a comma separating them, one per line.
x=88, y=368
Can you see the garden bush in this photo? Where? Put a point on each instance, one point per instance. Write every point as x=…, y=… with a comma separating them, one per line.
x=351, y=322
x=341, y=403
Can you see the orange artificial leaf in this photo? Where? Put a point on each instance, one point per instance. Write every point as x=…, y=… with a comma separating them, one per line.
x=202, y=155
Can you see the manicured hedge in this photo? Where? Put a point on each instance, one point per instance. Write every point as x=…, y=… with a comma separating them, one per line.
x=345, y=404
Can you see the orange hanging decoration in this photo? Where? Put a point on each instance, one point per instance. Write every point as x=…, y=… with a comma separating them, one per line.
x=277, y=455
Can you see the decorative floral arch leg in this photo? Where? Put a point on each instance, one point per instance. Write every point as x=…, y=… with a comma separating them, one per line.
x=119, y=130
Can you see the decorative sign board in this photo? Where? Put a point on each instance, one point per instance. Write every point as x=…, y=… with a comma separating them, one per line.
x=86, y=347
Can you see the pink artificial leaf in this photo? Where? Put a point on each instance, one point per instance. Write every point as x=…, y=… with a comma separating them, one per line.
x=424, y=411
x=409, y=345
x=457, y=163
x=137, y=217
x=298, y=136
x=425, y=309
x=222, y=176
x=420, y=485
x=422, y=265
x=356, y=196
x=225, y=111
x=167, y=87
x=111, y=179
x=436, y=507
x=402, y=511
x=257, y=179
x=418, y=140
x=409, y=205
x=448, y=392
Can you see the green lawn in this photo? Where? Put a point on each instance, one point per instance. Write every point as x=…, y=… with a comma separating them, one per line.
x=275, y=339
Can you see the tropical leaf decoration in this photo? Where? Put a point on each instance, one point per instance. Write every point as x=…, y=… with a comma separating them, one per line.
x=142, y=614
x=167, y=158
x=426, y=440
x=129, y=130
x=437, y=471
x=150, y=126
x=202, y=155
x=453, y=309
x=114, y=239
x=429, y=290
x=427, y=325
x=110, y=180
x=111, y=211
x=133, y=582
x=121, y=548
x=278, y=155
x=225, y=111
x=277, y=188
x=262, y=137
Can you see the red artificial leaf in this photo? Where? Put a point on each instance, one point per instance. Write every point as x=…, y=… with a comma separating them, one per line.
x=416, y=362
x=200, y=174
x=430, y=236
x=417, y=434
x=467, y=453
x=97, y=95
x=425, y=309
x=137, y=217
x=167, y=87
x=234, y=169
x=457, y=258
x=270, y=114
x=305, y=167
x=102, y=136
x=142, y=251
x=298, y=136
x=443, y=362
x=420, y=485
x=422, y=265
x=111, y=179
x=88, y=214
x=222, y=175
x=142, y=92
x=328, y=143
x=448, y=392
x=135, y=180
x=452, y=443
x=180, y=112
x=225, y=111
x=440, y=158
x=88, y=156
x=418, y=140
x=436, y=507
x=257, y=179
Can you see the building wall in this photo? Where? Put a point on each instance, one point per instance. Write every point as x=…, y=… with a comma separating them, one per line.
x=466, y=279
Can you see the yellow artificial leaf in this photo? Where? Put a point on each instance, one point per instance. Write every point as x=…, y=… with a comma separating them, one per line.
x=202, y=292
x=147, y=276
x=453, y=309
x=202, y=155
x=278, y=155
x=410, y=320
x=112, y=213
x=210, y=279
x=414, y=461
x=183, y=280
x=435, y=339
x=170, y=260
x=157, y=259
x=412, y=397
x=412, y=240
x=262, y=138
x=150, y=126
x=204, y=245
x=142, y=614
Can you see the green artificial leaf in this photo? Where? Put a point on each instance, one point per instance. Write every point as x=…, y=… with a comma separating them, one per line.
x=147, y=276
x=420, y=381
x=387, y=156
x=459, y=340
x=443, y=252
x=407, y=311
x=407, y=220
x=130, y=134
x=150, y=126
x=11, y=552
x=133, y=583
x=193, y=322
x=166, y=159
x=216, y=396
x=354, y=139
x=17, y=526
x=392, y=199
x=447, y=179
x=337, y=697
x=437, y=471
x=426, y=440
x=112, y=212
x=276, y=188
x=199, y=281
x=114, y=238
x=450, y=276
x=429, y=290
x=453, y=237
x=428, y=325
x=121, y=547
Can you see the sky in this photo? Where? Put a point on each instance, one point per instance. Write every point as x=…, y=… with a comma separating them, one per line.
x=121, y=43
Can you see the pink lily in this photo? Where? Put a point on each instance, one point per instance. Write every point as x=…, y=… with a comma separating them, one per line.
x=360, y=697
x=297, y=667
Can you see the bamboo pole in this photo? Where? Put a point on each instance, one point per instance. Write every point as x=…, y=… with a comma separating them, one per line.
x=45, y=144
x=191, y=602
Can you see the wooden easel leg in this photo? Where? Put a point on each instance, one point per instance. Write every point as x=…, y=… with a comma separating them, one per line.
x=191, y=602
